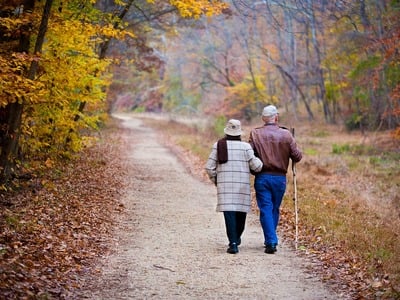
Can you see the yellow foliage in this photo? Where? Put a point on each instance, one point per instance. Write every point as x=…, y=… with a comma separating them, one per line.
x=196, y=8
x=15, y=87
x=75, y=81
x=108, y=31
x=244, y=97
x=9, y=25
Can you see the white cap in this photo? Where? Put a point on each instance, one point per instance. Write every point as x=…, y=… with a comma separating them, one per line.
x=269, y=111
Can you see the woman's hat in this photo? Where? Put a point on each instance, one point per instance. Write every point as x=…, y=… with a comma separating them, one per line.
x=233, y=128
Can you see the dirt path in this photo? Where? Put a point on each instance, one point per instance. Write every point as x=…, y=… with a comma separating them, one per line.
x=172, y=243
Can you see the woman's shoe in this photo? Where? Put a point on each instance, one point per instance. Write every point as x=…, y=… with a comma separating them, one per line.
x=233, y=248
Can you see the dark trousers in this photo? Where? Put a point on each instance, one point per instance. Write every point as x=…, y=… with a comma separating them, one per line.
x=234, y=223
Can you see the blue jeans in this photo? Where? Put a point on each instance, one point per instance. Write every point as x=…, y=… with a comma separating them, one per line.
x=269, y=193
x=234, y=223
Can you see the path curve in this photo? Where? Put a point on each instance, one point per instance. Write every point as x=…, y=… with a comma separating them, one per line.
x=172, y=243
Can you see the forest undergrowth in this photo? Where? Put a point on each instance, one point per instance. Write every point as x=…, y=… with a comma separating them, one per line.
x=56, y=223
x=348, y=195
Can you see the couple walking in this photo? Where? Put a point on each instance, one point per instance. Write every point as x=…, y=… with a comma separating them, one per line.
x=267, y=157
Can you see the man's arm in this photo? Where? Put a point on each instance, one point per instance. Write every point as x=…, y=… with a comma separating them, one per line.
x=295, y=153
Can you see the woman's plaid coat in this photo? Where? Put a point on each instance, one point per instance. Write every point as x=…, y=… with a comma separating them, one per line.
x=233, y=177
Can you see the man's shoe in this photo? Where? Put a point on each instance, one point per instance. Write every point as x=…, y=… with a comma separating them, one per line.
x=233, y=248
x=270, y=249
x=272, y=245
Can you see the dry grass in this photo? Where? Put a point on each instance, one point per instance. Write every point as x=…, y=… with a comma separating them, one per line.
x=349, y=192
x=348, y=195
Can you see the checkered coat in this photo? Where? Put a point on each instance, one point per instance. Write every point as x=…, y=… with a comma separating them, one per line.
x=233, y=177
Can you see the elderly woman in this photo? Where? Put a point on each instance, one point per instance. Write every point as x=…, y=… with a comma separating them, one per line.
x=228, y=166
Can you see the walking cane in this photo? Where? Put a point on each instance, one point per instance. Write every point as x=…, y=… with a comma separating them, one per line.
x=296, y=215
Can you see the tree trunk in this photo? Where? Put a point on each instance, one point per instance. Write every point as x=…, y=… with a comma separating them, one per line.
x=318, y=64
x=9, y=147
x=12, y=113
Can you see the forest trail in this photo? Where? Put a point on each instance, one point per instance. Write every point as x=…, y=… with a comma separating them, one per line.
x=171, y=243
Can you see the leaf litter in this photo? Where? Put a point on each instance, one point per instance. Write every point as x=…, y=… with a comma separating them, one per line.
x=54, y=227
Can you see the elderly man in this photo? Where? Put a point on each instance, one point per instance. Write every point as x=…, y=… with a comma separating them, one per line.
x=274, y=146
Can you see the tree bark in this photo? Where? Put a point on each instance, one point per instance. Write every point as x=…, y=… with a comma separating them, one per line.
x=12, y=113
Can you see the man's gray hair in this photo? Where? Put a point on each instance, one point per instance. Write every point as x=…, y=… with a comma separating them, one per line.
x=270, y=119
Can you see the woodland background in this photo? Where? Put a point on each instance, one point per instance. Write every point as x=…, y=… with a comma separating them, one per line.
x=66, y=66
